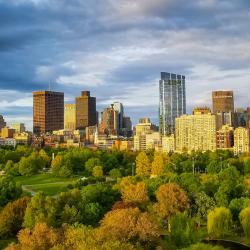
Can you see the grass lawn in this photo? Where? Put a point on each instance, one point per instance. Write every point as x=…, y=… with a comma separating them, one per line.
x=46, y=183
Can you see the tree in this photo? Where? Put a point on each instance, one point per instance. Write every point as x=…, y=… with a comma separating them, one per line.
x=219, y=221
x=45, y=157
x=126, y=224
x=97, y=172
x=204, y=204
x=115, y=173
x=42, y=237
x=9, y=190
x=157, y=164
x=11, y=168
x=183, y=232
x=203, y=246
x=135, y=193
x=236, y=205
x=31, y=165
x=142, y=165
x=91, y=163
x=171, y=199
x=245, y=221
x=11, y=217
x=41, y=209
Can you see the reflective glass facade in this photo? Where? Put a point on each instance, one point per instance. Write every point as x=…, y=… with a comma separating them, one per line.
x=172, y=101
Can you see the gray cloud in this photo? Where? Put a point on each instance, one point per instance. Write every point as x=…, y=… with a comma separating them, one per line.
x=117, y=49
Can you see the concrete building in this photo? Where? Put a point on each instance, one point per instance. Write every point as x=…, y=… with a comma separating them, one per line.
x=19, y=127
x=225, y=138
x=168, y=144
x=223, y=118
x=23, y=138
x=86, y=114
x=196, y=132
x=2, y=122
x=223, y=101
x=7, y=132
x=241, y=140
x=120, y=112
x=109, y=121
x=240, y=118
x=70, y=116
x=172, y=101
x=48, y=111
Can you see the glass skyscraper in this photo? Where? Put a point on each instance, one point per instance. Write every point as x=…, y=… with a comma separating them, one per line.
x=172, y=101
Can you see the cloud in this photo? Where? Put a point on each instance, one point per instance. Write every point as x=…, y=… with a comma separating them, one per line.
x=117, y=49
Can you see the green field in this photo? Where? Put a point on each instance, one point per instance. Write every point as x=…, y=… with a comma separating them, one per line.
x=46, y=183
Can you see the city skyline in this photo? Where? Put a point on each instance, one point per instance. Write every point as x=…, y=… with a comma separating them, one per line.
x=79, y=45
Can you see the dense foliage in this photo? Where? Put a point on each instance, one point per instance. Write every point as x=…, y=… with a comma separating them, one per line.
x=171, y=202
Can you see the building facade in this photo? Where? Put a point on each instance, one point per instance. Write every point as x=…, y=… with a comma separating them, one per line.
x=196, y=132
x=241, y=140
x=86, y=114
x=172, y=101
x=2, y=122
x=48, y=111
x=19, y=127
x=223, y=101
x=225, y=138
x=70, y=116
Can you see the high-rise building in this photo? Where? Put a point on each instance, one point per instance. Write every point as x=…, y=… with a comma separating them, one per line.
x=69, y=116
x=19, y=127
x=240, y=118
x=225, y=138
x=248, y=117
x=196, y=132
x=86, y=114
x=120, y=111
x=172, y=101
x=223, y=101
x=48, y=111
x=241, y=140
x=2, y=122
x=109, y=121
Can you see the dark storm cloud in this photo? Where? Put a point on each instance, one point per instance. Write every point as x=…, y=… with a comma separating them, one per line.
x=117, y=48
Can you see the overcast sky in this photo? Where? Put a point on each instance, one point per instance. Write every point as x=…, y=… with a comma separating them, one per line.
x=117, y=49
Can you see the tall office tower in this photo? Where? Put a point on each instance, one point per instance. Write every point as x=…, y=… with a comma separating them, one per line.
x=223, y=101
x=2, y=122
x=241, y=140
x=109, y=121
x=172, y=101
x=120, y=110
x=70, y=116
x=225, y=137
x=223, y=118
x=86, y=114
x=19, y=127
x=48, y=111
x=196, y=132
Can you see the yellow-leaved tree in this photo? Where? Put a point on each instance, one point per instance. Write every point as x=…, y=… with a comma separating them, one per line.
x=142, y=165
x=157, y=164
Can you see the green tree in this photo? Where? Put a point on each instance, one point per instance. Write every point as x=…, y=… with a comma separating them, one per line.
x=91, y=163
x=245, y=221
x=115, y=173
x=45, y=157
x=9, y=190
x=236, y=205
x=31, y=165
x=202, y=246
x=97, y=172
x=219, y=221
x=142, y=165
x=41, y=209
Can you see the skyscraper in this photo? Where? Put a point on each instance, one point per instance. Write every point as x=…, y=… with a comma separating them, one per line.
x=70, y=116
x=223, y=101
x=2, y=122
x=120, y=110
x=86, y=114
x=48, y=111
x=172, y=101
x=109, y=121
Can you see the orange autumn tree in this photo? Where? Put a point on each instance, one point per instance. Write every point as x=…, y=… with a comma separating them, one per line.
x=142, y=165
x=42, y=237
x=171, y=199
x=127, y=224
